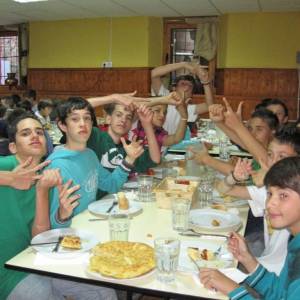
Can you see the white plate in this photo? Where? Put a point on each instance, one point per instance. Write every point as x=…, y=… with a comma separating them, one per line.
x=88, y=241
x=102, y=277
x=100, y=207
x=131, y=185
x=201, y=219
x=217, y=199
x=171, y=157
x=185, y=264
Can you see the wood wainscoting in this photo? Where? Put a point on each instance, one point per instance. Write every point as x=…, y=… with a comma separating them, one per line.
x=252, y=85
x=236, y=84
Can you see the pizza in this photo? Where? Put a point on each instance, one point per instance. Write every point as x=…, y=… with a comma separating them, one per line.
x=71, y=242
x=196, y=254
x=122, y=260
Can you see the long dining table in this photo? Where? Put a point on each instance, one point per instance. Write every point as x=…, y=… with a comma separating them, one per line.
x=151, y=223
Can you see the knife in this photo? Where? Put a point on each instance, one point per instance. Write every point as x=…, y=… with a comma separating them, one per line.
x=55, y=249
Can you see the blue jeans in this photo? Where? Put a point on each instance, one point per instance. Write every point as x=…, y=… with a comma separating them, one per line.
x=46, y=288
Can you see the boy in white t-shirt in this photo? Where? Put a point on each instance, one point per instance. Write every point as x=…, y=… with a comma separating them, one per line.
x=183, y=84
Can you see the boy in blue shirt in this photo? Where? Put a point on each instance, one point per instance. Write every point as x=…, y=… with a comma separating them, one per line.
x=79, y=163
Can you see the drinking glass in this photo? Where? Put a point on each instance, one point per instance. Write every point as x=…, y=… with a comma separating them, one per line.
x=145, y=183
x=118, y=227
x=180, y=213
x=166, y=256
x=224, y=153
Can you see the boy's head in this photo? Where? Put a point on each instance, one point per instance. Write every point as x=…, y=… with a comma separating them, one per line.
x=186, y=84
x=283, y=184
x=30, y=95
x=45, y=107
x=286, y=143
x=263, y=125
x=75, y=119
x=119, y=118
x=159, y=115
x=26, y=136
x=276, y=106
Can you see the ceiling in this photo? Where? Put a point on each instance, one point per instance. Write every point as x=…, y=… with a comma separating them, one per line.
x=12, y=12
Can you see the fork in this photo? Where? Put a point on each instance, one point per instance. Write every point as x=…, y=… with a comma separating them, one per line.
x=115, y=202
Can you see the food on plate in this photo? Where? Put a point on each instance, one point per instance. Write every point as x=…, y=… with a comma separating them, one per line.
x=71, y=242
x=123, y=201
x=182, y=181
x=150, y=172
x=219, y=206
x=215, y=223
x=122, y=260
x=196, y=254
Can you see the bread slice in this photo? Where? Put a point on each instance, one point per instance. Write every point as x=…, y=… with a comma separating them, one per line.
x=123, y=201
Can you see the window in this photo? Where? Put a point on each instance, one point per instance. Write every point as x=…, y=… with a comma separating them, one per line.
x=9, y=55
x=179, y=45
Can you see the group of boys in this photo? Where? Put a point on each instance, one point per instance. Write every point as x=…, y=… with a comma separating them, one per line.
x=89, y=161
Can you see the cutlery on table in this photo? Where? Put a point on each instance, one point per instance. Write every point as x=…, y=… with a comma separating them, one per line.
x=44, y=243
x=194, y=233
x=115, y=202
x=55, y=249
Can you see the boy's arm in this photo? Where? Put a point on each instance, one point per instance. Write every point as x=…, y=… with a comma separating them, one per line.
x=145, y=115
x=203, y=75
x=258, y=151
x=112, y=182
x=216, y=114
x=160, y=71
x=180, y=132
x=48, y=180
x=23, y=176
x=203, y=157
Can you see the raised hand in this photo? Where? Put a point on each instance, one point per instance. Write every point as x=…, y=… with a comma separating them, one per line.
x=145, y=115
x=259, y=176
x=133, y=150
x=49, y=179
x=67, y=201
x=215, y=280
x=239, y=111
x=239, y=249
x=182, y=109
x=202, y=73
x=174, y=98
x=216, y=113
x=242, y=169
x=25, y=175
x=232, y=120
x=199, y=156
x=128, y=99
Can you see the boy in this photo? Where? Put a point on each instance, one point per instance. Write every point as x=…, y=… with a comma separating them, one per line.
x=80, y=164
x=261, y=128
x=283, y=208
x=277, y=107
x=183, y=85
x=43, y=113
x=26, y=212
x=286, y=143
x=108, y=146
x=164, y=139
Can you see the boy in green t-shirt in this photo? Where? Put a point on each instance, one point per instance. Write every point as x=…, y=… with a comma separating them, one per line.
x=25, y=213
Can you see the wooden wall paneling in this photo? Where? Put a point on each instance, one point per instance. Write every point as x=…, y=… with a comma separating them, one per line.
x=89, y=82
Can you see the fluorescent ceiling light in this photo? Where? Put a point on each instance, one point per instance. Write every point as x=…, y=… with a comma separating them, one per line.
x=28, y=1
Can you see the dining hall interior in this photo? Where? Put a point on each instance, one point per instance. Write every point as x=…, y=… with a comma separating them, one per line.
x=143, y=145
x=67, y=43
